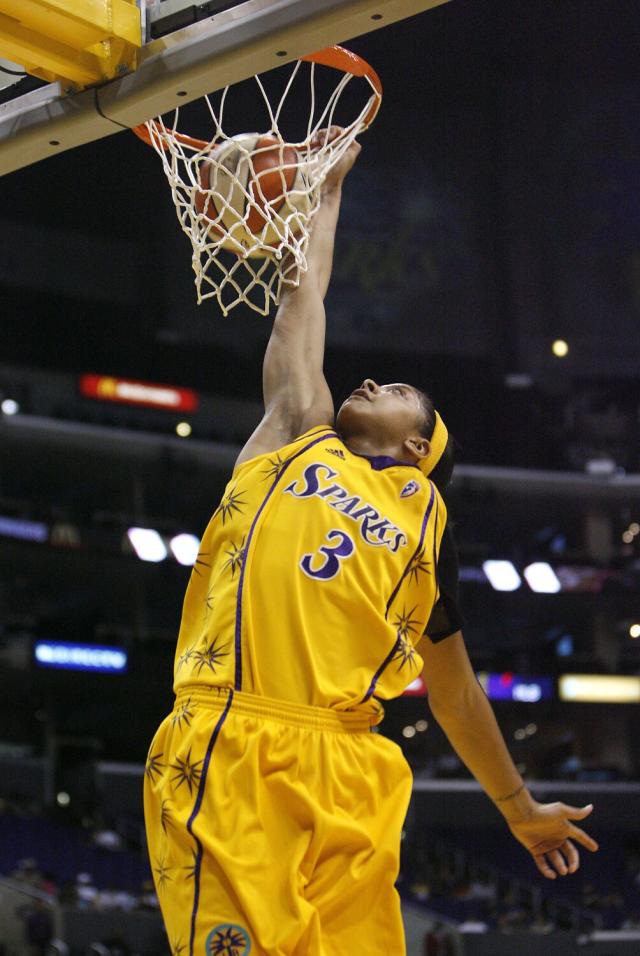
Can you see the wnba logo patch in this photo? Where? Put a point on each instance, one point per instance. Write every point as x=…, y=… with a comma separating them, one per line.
x=228, y=939
x=410, y=489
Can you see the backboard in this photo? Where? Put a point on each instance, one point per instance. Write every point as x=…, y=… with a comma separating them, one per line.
x=188, y=49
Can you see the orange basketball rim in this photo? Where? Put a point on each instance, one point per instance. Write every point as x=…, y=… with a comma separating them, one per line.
x=337, y=57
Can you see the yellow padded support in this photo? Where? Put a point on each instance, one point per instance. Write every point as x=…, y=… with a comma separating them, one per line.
x=81, y=41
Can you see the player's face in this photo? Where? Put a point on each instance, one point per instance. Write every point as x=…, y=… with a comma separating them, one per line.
x=385, y=413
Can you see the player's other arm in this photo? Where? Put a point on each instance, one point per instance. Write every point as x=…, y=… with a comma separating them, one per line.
x=296, y=394
x=461, y=707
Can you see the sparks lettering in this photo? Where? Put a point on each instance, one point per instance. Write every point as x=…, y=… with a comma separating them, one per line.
x=375, y=529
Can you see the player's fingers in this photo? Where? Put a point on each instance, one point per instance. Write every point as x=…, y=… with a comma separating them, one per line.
x=577, y=813
x=583, y=838
x=323, y=136
x=541, y=862
x=558, y=861
x=334, y=131
x=572, y=855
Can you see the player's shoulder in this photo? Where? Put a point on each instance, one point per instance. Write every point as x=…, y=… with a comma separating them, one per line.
x=283, y=453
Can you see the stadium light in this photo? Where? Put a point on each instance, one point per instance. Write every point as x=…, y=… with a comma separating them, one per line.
x=147, y=544
x=502, y=575
x=541, y=578
x=80, y=657
x=184, y=548
x=10, y=407
x=600, y=689
x=23, y=529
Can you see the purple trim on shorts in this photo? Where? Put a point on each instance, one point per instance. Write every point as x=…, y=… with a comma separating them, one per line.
x=194, y=814
x=238, y=631
x=425, y=521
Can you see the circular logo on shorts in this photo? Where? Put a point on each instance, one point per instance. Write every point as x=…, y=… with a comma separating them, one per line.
x=228, y=939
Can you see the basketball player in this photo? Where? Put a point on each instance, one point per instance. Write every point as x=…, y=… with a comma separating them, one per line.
x=325, y=583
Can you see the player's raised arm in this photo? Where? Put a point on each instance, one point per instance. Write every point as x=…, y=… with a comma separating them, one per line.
x=296, y=395
x=458, y=703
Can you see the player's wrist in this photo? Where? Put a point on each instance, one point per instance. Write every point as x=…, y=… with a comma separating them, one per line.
x=517, y=805
x=331, y=192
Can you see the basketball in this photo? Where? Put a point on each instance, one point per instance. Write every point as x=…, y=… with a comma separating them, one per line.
x=251, y=191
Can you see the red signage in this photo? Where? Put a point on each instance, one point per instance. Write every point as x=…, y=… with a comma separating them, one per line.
x=417, y=688
x=128, y=391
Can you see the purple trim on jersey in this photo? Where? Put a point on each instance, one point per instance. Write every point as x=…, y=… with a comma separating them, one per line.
x=376, y=676
x=390, y=655
x=325, y=436
x=194, y=814
x=380, y=462
x=425, y=521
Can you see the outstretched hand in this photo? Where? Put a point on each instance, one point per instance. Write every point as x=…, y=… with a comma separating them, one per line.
x=337, y=172
x=547, y=833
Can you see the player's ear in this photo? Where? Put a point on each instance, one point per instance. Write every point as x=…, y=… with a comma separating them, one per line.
x=417, y=446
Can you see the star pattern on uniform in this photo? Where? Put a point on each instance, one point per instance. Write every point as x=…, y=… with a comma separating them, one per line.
x=418, y=564
x=162, y=874
x=165, y=815
x=184, y=658
x=186, y=772
x=232, y=501
x=227, y=942
x=183, y=714
x=404, y=623
x=178, y=947
x=200, y=561
x=210, y=655
x=153, y=767
x=274, y=467
x=236, y=558
x=208, y=602
x=404, y=652
x=193, y=866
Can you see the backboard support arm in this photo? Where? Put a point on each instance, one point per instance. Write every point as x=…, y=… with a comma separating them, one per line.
x=231, y=46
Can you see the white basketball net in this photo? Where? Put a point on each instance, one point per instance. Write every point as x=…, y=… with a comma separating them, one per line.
x=231, y=263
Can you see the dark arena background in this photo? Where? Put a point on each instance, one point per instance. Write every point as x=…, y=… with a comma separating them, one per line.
x=488, y=251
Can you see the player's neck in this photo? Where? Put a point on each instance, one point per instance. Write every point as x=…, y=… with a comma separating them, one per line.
x=362, y=445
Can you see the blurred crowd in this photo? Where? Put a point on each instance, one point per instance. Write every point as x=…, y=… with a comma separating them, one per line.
x=83, y=893
x=480, y=898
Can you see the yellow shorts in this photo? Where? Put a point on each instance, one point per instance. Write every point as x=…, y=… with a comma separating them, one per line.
x=274, y=829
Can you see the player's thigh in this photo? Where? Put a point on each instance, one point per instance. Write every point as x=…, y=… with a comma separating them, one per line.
x=226, y=850
x=353, y=884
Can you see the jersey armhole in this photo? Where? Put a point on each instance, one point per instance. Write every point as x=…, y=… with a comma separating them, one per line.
x=315, y=431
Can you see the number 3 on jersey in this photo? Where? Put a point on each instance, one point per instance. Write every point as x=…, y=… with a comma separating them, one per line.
x=332, y=555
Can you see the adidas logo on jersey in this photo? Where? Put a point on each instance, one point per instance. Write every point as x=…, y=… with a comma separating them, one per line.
x=337, y=452
x=410, y=489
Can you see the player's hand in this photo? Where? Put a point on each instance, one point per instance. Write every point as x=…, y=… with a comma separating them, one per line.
x=337, y=172
x=549, y=835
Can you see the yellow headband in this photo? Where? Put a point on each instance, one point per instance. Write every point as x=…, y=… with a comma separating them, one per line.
x=438, y=443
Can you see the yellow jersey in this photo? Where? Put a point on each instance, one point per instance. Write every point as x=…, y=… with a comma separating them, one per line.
x=315, y=579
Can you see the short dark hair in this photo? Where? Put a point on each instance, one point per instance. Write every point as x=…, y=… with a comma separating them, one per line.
x=428, y=421
x=443, y=472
